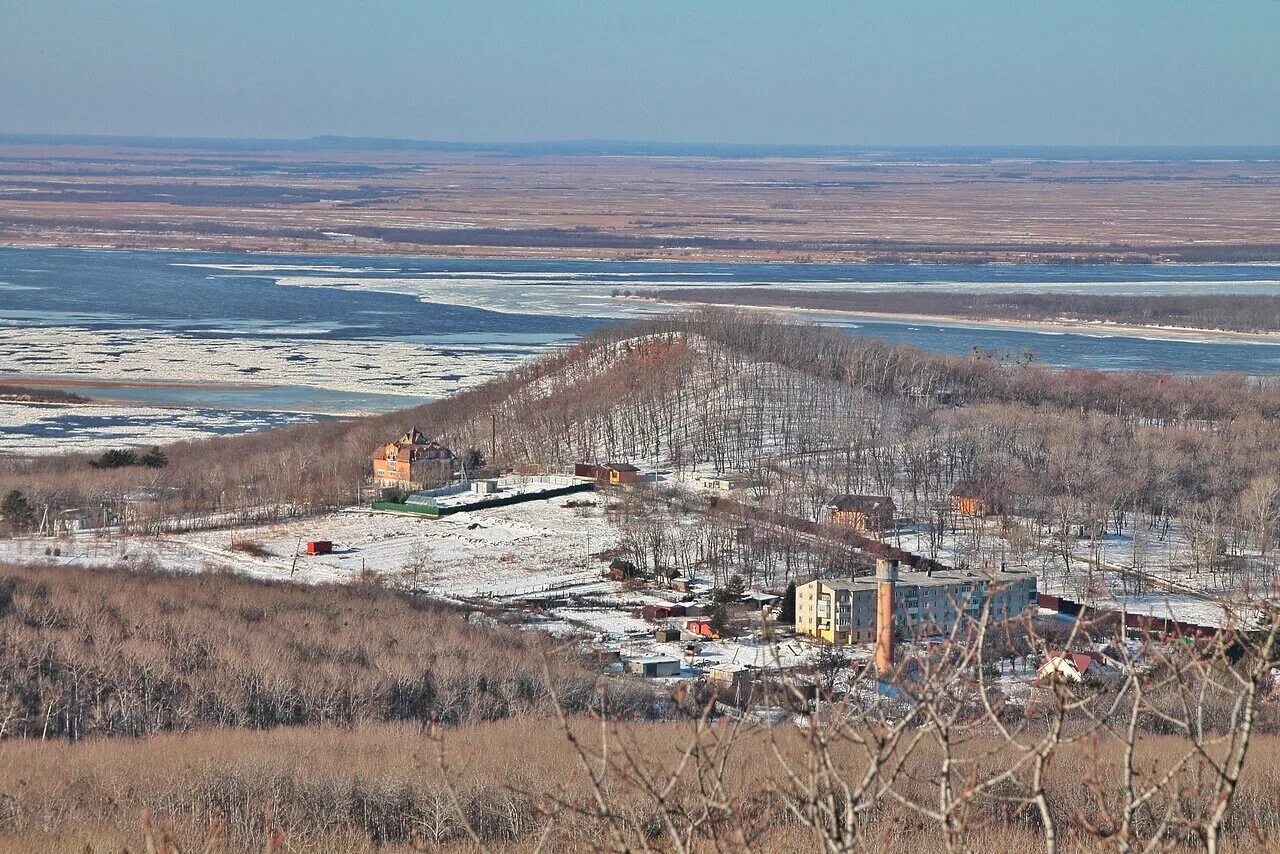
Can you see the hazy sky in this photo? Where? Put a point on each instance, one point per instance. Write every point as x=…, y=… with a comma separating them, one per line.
x=1090, y=72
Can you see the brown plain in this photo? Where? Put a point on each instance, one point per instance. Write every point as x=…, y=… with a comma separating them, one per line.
x=405, y=202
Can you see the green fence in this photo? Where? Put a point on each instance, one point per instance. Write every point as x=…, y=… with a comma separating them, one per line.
x=495, y=501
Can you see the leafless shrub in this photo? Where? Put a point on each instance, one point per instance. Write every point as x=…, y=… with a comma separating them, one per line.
x=251, y=547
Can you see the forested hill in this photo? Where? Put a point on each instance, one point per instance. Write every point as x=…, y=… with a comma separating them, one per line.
x=741, y=391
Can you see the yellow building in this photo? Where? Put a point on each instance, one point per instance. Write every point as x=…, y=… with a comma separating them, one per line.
x=843, y=611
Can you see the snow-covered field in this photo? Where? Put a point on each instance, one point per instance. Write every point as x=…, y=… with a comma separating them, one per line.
x=503, y=552
x=525, y=550
x=537, y=549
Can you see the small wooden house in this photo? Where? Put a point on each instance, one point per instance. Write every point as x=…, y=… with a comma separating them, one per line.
x=621, y=570
x=861, y=512
x=977, y=498
x=661, y=612
x=608, y=474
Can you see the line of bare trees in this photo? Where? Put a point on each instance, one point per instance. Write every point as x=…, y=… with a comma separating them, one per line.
x=90, y=653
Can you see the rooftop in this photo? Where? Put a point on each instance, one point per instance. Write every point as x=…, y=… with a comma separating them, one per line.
x=916, y=578
x=865, y=503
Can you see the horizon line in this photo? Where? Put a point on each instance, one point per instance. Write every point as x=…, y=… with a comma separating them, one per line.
x=614, y=146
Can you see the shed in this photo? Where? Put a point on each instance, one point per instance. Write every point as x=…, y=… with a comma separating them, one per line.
x=621, y=570
x=728, y=672
x=661, y=612
x=761, y=600
x=608, y=474
x=979, y=498
x=702, y=628
x=654, y=666
x=666, y=635
x=319, y=547
x=621, y=472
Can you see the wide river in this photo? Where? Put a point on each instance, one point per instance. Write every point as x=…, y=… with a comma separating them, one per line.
x=175, y=345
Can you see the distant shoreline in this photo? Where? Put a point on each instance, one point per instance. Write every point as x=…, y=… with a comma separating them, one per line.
x=1099, y=328
x=976, y=255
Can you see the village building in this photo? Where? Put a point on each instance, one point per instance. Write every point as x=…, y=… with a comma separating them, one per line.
x=412, y=462
x=621, y=570
x=977, y=498
x=653, y=666
x=922, y=604
x=861, y=513
x=724, y=482
x=728, y=673
x=1072, y=666
x=661, y=612
x=71, y=520
x=608, y=474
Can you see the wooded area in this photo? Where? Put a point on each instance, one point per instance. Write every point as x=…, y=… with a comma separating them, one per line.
x=129, y=652
x=807, y=411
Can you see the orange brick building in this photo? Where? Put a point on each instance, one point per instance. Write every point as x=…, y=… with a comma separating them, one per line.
x=412, y=462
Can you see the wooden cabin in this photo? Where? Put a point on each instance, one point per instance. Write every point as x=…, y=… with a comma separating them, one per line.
x=861, y=512
x=608, y=474
x=976, y=498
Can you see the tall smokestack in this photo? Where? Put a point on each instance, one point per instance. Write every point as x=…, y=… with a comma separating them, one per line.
x=886, y=580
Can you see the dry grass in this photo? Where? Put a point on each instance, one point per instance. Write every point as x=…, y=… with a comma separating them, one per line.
x=381, y=787
x=824, y=208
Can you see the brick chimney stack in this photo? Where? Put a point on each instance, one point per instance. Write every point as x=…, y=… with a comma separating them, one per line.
x=886, y=580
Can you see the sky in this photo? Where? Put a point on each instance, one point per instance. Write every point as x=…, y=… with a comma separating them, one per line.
x=853, y=72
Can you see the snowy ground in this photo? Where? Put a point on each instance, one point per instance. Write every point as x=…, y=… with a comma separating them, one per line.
x=498, y=556
x=533, y=549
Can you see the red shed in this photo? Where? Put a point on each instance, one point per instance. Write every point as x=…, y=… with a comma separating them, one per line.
x=319, y=547
x=702, y=628
x=662, y=612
